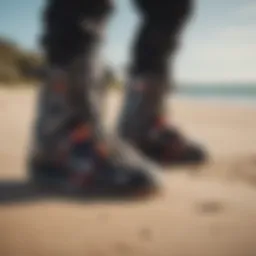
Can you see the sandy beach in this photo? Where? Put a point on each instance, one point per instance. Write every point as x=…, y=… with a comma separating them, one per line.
x=203, y=211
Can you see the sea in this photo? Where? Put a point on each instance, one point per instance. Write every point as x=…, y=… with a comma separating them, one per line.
x=244, y=94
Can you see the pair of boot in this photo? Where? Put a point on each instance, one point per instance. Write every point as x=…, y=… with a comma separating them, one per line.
x=71, y=150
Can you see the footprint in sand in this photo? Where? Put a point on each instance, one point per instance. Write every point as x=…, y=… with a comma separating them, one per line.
x=145, y=234
x=210, y=207
x=123, y=248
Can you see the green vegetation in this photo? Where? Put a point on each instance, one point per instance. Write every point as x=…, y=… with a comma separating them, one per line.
x=111, y=79
x=18, y=66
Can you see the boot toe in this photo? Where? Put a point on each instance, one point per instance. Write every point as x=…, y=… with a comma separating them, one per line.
x=142, y=183
x=195, y=154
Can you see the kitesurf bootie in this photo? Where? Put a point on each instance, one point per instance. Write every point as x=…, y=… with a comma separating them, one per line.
x=144, y=126
x=70, y=149
x=141, y=120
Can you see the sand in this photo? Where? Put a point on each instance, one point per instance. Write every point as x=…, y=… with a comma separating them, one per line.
x=203, y=211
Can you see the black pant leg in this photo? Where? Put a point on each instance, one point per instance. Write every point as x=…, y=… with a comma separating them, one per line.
x=162, y=21
x=64, y=31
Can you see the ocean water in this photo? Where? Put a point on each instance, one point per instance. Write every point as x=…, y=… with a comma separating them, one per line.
x=242, y=93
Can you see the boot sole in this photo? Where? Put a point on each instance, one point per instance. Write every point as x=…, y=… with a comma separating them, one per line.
x=60, y=187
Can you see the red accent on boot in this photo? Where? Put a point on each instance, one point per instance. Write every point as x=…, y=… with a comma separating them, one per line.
x=81, y=134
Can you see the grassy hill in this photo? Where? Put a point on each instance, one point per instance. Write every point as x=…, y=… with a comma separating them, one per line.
x=17, y=65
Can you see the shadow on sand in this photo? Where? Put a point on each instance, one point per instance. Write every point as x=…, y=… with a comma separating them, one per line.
x=12, y=192
x=15, y=192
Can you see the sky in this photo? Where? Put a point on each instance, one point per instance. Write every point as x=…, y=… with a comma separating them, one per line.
x=218, y=45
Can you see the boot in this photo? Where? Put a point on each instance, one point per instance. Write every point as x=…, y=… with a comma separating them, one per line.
x=143, y=125
x=142, y=122
x=70, y=150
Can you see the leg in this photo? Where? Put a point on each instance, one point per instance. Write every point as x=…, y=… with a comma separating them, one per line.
x=70, y=147
x=65, y=33
x=159, y=33
x=141, y=120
